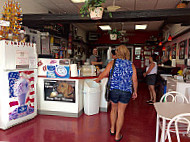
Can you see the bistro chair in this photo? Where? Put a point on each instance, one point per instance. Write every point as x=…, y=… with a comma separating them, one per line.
x=183, y=119
x=176, y=97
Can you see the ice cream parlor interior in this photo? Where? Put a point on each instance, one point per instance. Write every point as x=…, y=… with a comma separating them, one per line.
x=49, y=70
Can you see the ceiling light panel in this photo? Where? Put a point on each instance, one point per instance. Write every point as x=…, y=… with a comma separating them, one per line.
x=77, y=1
x=105, y=27
x=140, y=27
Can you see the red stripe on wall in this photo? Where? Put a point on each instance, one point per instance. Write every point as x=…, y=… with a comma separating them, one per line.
x=13, y=103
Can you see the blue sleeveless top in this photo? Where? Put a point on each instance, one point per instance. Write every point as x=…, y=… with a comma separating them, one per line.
x=122, y=76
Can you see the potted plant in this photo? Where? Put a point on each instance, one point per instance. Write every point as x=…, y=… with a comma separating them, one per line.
x=114, y=34
x=93, y=8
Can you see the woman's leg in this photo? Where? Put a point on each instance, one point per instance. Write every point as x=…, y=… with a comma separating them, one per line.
x=113, y=116
x=152, y=88
x=120, y=119
x=151, y=94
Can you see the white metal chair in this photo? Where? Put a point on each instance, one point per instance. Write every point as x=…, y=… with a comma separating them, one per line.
x=179, y=119
x=172, y=96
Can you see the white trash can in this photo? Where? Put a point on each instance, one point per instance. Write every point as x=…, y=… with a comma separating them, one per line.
x=91, y=97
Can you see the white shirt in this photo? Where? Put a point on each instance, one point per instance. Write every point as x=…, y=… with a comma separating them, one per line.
x=154, y=70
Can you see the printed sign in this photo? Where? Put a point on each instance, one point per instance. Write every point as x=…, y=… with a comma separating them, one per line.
x=22, y=58
x=21, y=94
x=57, y=71
x=32, y=62
x=59, y=90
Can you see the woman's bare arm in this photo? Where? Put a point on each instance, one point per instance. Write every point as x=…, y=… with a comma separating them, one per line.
x=149, y=69
x=105, y=72
x=135, y=82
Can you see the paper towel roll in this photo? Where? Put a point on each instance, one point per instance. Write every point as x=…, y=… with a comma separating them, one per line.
x=109, y=53
x=173, y=62
x=73, y=68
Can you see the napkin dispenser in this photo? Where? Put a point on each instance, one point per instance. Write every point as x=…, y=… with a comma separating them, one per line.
x=88, y=70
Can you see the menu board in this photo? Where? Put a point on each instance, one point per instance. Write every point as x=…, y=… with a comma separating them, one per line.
x=182, y=46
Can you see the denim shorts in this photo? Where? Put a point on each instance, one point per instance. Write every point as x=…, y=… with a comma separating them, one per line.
x=120, y=96
x=151, y=79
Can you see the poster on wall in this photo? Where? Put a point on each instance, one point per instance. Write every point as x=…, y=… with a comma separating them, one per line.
x=137, y=53
x=189, y=50
x=21, y=94
x=174, y=51
x=45, y=45
x=59, y=90
x=168, y=49
x=182, y=46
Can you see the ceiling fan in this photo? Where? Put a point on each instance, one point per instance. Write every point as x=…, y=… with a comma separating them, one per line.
x=123, y=32
x=113, y=8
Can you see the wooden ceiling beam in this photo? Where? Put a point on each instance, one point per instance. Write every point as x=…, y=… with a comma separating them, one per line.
x=168, y=15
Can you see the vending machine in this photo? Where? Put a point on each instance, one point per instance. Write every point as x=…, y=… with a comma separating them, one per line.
x=18, y=78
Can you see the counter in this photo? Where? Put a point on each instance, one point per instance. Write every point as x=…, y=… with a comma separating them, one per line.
x=168, y=70
x=177, y=85
x=70, y=106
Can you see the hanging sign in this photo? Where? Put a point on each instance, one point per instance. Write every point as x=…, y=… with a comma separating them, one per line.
x=4, y=23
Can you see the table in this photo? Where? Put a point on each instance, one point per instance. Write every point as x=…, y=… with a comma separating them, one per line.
x=166, y=111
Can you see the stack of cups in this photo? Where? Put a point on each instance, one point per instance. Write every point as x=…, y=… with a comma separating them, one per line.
x=73, y=68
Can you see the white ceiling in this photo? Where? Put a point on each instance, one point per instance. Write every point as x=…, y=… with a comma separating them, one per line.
x=62, y=6
x=67, y=7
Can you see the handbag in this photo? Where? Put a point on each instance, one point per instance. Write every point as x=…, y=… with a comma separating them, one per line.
x=107, y=94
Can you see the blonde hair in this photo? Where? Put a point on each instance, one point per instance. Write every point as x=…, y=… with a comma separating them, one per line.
x=122, y=52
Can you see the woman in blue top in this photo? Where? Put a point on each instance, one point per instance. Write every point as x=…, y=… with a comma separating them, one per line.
x=124, y=76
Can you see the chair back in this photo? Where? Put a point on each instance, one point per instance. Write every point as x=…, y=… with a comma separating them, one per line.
x=179, y=119
x=174, y=96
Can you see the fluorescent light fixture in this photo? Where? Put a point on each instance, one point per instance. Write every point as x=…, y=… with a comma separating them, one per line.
x=77, y=1
x=140, y=27
x=105, y=27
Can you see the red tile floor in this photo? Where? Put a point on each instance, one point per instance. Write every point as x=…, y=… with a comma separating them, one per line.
x=139, y=126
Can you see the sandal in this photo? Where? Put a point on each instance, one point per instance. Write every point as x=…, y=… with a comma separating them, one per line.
x=112, y=133
x=149, y=101
x=121, y=136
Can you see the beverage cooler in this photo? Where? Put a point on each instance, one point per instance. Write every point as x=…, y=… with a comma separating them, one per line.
x=18, y=76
